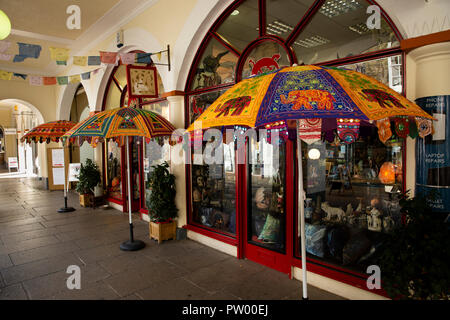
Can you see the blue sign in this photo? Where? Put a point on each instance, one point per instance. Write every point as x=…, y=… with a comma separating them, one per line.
x=433, y=154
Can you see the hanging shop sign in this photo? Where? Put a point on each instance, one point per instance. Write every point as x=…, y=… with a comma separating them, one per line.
x=142, y=82
x=433, y=154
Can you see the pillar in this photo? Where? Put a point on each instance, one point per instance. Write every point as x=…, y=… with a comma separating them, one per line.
x=427, y=75
x=176, y=117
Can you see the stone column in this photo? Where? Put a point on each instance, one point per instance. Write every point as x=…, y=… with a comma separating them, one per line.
x=427, y=74
x=176, y=117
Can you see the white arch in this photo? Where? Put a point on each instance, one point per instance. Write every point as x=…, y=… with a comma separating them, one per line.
x=26, y=104
x=206, y=12
x=65, y=101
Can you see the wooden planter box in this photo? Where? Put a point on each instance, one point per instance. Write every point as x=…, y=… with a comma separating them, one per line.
x=86, y=200
x=163, y=231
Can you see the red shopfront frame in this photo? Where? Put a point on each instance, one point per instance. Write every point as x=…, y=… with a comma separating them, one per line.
x=319, y=267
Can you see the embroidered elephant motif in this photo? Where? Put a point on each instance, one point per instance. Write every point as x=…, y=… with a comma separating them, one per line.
x=303, y=98
x=239, y=104
x=381, y=97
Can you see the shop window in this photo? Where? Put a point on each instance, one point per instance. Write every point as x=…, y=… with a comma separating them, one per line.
x=114, y=173
x=242, y=25
x=199, y=102
x=214, y=192
x=351, y=197
x=216, y=66
x=341, y=29
x=388, y=71
x=283, y=16
x=156, y=150
x=266, y=210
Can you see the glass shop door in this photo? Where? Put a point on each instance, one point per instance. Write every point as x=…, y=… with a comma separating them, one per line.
x=268, y=214
x=134, y=157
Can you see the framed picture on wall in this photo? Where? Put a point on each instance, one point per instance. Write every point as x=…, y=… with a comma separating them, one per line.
x=142, y=82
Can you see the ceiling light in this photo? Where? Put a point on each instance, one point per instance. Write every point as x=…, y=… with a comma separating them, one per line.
x=235, y=13
x=360, y=28
x=333, y=8
x=312, y=41
x=5, y=25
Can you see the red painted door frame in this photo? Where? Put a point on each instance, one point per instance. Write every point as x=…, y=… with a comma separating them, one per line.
x=272, y=259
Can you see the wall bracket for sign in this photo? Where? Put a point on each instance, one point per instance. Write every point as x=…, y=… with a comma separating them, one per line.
x=168, y=57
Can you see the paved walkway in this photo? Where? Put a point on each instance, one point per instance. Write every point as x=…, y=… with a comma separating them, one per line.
x=37, y=244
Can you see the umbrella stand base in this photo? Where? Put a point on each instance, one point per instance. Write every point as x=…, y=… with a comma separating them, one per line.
x=66, y=209
x=132, y=245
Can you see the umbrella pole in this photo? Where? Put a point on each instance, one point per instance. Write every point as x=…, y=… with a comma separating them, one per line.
x=66, y=187
x=131, y=245
x=301, y=207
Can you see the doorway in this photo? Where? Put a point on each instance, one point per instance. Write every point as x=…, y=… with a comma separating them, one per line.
x=267, y=214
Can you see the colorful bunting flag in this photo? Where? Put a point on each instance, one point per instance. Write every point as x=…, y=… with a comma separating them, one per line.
x=384, y=129
x=402, y=127
x=158, y=55
x=80, y=60
x=425, y=127
x=86, y=75
x=75, y=78
x=59, y=54
x=413, y=131
x=62, y=80
x=108, y=57
x=5, y=75
x=27, y=50
x=94, y=61
x=36, y=80
x=348, y=130
x=49, y=81
x=5, y=57
x=20, y=75
x=4, y=45
x=309, y=130
x=143, y=58
x=128, y=58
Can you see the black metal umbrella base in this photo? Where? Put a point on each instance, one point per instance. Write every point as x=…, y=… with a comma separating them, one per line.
x=132, y=245
x=66, y=209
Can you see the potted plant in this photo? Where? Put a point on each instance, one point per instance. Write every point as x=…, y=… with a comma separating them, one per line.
x=161, y=204
x=414, y=261
x=88, y=179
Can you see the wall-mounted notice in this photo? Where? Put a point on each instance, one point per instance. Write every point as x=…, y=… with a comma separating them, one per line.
x=433, y=154
x=57, y=157
x=58, y=176
x=74, y=171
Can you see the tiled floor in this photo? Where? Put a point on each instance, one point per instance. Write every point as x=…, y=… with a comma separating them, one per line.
x=37, y=244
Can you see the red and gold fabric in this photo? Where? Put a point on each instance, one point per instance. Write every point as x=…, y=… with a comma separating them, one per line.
x=119, y=123
x=50, y=131
x=307, y=92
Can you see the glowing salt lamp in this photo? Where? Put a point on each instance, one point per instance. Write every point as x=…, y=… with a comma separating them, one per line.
x=387, y=173
x=5, y=25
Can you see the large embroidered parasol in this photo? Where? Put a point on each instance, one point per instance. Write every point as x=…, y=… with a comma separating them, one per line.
x=310, y=94
x=116, y=124
x=51, y=131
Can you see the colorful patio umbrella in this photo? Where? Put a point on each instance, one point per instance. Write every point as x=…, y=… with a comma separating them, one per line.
x=51, y=131
x=310, y=94
x=116, y=124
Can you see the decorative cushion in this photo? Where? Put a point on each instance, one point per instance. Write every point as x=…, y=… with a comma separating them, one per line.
x=315, y=239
